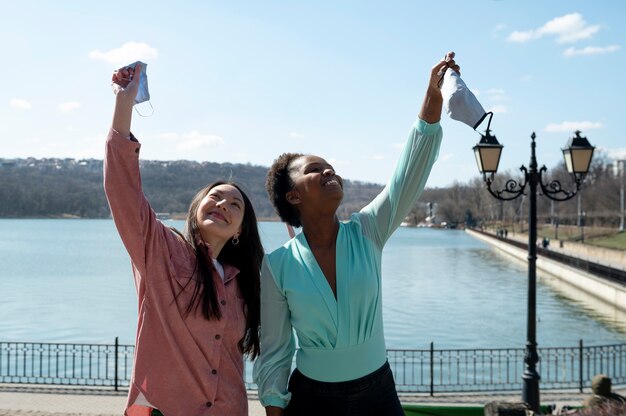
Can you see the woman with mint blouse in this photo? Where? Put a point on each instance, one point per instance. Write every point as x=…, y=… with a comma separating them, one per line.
x=325, y=283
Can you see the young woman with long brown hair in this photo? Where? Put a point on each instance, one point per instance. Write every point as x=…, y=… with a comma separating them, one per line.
x=198, y=291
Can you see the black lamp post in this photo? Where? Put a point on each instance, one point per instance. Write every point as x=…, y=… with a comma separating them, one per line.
x=577, y=153
x=583, y=216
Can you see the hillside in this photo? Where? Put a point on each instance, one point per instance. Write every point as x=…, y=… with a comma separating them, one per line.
x=34, y=188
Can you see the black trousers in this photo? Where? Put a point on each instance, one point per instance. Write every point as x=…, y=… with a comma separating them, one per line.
x=372, y=395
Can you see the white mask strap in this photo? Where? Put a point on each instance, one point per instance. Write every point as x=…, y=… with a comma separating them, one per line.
x=152, y=113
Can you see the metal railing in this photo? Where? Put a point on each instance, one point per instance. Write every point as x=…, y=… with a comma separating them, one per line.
x=66, y=364
x=477, y=370
x=418, y=371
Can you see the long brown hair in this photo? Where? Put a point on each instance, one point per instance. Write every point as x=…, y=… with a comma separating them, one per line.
x=246, y=256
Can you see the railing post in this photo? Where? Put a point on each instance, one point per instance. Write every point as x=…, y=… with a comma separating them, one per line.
x=115, y=360
x=432, y=368
x=580, y=365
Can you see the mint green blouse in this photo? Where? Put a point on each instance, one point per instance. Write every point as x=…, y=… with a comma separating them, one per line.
x=339, y=339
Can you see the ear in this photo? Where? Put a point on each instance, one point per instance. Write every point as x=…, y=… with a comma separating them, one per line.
x=293, y=197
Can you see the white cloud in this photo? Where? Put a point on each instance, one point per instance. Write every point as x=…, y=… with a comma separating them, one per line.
x=378, y=157
x=495, y=94
x=570, y=126
x=521, y=37
x=591, y=50
x=20, y=104
x=498, y=109
x=617, y=154
x=126, y=54
x=569, y=28
x=447, y=156
x=69, y=106
x=296, y=135
x=193, y=140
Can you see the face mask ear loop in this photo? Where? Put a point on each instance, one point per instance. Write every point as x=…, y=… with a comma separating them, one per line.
x=489, y=122
x=147, y=115
x=478, y=123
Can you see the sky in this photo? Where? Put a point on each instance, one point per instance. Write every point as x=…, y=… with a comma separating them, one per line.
x=244, y=81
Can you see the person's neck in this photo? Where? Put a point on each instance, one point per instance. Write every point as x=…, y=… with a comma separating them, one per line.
x=320, y=231
x=216, y=246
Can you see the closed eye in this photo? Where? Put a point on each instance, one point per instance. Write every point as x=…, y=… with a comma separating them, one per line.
x=315, y=168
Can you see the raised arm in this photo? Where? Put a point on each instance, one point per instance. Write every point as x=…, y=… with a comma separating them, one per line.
x=433, y=101
x=125, y=83
x=385, y=213
x=134, y=219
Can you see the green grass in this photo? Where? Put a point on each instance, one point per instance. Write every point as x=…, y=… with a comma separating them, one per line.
x=594, y=236
x=601, y=237
x=418, y=410
x=433, y=410
x=615, y=241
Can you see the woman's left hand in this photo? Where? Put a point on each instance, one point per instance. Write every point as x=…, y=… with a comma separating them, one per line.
x=433, y=101
x=437, y=71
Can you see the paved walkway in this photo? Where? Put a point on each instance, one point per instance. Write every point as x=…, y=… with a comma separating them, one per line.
x=27, y=400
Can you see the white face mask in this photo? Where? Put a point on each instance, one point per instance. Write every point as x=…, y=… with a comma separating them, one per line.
x=142, y=93
x=461, y=103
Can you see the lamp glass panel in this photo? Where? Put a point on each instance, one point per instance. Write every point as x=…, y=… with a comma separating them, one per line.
x=581, y=159
x=568, y=160
x=490, y=158
x=478, y=160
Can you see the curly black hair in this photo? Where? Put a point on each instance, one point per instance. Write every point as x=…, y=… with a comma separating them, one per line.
x=278, y=183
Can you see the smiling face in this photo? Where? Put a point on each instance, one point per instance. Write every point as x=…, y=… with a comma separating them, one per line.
x=220, y=214
x=316, y=186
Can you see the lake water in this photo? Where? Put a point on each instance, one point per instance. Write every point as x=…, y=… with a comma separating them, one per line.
x=70, y=281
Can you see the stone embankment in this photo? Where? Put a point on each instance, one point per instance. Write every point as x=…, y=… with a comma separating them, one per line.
x=605, y=296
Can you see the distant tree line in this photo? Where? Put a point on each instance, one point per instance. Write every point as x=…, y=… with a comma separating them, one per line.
x=471, y=204
x=40, y=188
x=65, y=188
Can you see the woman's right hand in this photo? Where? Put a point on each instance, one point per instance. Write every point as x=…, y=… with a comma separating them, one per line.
x=125, y=84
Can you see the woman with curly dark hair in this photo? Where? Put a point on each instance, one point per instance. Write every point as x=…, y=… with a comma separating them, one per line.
x=198, y=291
x=325, y=283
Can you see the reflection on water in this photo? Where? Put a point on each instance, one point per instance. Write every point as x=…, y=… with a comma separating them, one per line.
x=580, y=301
x=70, y=281
x=446, y=287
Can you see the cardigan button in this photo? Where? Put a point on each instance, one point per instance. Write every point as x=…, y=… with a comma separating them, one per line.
x=218, y=336
x=209, y=404
x=223, y=302
x=213, y=371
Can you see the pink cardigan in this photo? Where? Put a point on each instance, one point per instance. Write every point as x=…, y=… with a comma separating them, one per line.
x=184, y=365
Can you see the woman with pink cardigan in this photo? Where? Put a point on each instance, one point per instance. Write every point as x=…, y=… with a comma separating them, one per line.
x=198, y=290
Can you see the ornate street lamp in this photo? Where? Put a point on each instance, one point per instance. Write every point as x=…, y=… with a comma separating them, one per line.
x=578, y=154
x=487, y=153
